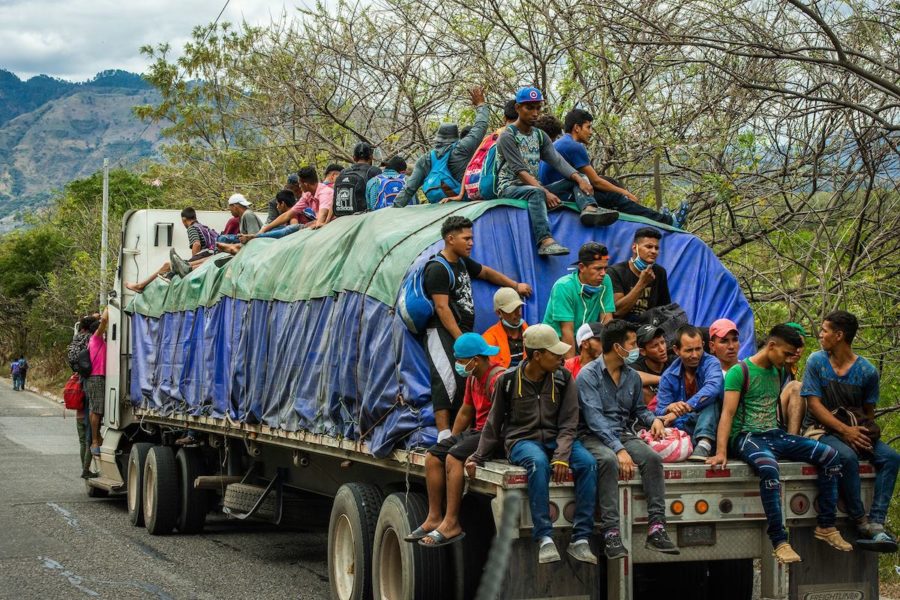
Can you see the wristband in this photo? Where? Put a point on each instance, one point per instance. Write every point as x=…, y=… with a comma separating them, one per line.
x=560, y=462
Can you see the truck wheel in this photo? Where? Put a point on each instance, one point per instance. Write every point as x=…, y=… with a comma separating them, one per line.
x=194, y=503
x=161, y=501
x=401, y=570
x=732, y=579
x=135, y=482
x=241, y=497
x=351, y=530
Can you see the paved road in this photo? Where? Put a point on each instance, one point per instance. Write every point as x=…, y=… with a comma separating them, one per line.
x=55, y=542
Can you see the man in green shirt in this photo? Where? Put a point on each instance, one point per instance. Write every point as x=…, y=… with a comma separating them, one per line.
x=581, y=297
x=749, y=429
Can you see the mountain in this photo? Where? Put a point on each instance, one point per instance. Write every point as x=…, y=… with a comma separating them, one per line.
x=53, y=131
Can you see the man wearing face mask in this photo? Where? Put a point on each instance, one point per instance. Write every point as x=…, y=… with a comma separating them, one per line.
x=583, y=296
x=640, y=284
x=611, y=399
x=589, y=347
x=690, y=392
x=506, y=334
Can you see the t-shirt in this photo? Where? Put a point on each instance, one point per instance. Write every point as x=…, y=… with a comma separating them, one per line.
x=656, y=294
x=194, y=235
x=858, y=387
x=573, y=365
x=321, y=199
x=575, y=154
x=479, y=393
x=232, y=227
x=97, y=350
x=437, y=281
x=758, y=410
x=516, y=351
x=568, y=303
x=250, y=223
x=517, y=152
x=641, y=365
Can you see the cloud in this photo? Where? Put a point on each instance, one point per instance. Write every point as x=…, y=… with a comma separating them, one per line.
x=76, y=39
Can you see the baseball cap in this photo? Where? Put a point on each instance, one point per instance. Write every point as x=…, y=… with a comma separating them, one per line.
x=507, y=300
x=470, y=345
x=238, y=199
x=293, y=179
x=646, y=333
x=528, y=94
x=587, y=331
x=799, y=328
x=543, y=337
x=591, y=251
x=722, y=327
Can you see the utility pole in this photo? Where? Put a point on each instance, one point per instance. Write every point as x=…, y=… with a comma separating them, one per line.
x=104, y=236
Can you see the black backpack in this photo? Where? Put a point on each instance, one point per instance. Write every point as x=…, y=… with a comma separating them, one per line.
x=350, y=189
x=84, y=366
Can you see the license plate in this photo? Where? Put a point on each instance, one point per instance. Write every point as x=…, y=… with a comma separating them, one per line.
x=697, y=535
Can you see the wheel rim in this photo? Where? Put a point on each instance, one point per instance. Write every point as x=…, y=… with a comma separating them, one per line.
x=390, y=566
x=344, y=558
x=134, y=494
x=149, y=486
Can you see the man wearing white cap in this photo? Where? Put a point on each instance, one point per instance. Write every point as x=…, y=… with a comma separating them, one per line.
x=506, y=334
x=588, y=339
x=535, y=406
x=240, y=208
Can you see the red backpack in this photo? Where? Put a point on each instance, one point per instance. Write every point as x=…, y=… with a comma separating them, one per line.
x=472, y=182
x=73, y=394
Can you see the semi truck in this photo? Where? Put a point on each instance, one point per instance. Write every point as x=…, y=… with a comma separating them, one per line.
x=292, y=372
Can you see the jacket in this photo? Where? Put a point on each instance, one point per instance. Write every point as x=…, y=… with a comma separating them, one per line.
x=496, y=336
x=710, y=386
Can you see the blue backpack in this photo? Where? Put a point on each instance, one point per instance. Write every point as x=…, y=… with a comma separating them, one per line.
x=388, y=190
x=439, y=176
x=487, y=185
x=415, y=306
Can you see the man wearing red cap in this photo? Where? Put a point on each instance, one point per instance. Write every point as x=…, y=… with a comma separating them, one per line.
x=724, y=343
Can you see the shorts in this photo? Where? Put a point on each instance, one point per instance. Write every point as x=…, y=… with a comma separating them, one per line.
x=446, y=386
x=460, y=446
x=95, y=392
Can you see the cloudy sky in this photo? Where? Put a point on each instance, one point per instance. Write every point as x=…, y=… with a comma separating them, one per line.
x=75, y=39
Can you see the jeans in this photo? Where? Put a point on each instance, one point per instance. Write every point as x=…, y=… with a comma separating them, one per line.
x=279, y=232
x=652, y=479
x=886, y=461
x=18, y=383
x=616, y=201
x=703, y=424
x=566, y=189
x=535, y=457
x=83, y=427
x=762, y=452
x=228, y=238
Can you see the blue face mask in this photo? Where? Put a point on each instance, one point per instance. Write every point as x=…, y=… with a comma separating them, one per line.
x=590, y=290
x=461, y=370
x=511, y=325
x=632, y=356
x=639, y=264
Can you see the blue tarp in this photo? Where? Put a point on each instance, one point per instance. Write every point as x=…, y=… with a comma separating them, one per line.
x=345, y=365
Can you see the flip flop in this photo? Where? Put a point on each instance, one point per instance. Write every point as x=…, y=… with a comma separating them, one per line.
x=441, y=540
x=417, y=534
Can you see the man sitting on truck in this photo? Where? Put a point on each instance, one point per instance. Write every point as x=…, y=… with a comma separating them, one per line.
x=589, y=347
x=654, y=359
x=454, y=314
x=611, y=399
x=445, y=460
x=837, y=379
x=535, y=413
x=749, y=429
x=506, y=334
x=639, y=283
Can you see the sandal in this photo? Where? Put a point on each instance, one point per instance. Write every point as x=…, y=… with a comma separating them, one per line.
x=415, y=535
x=438, y=539
x=834, y=539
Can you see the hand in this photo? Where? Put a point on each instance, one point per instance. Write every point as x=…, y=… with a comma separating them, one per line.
x=524, y=289
x=857, y=438
x=245, y=237
x=585, y=185
x=669, y=419
x=477, y=95
x=717, y=461
x=470, y=468
x=553, y=200
x=315, y=225
x=678, y=408
x=657, y=429
x=626, y=465
x=560, y=472
x=630, y=196
x=457, y=198
x=646, y=277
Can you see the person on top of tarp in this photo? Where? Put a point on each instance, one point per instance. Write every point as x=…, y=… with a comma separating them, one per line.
x=749, y=429
x=611, y=400
x=837, y=379
x=284, y=203
x=639, y=283
x=451, y=154
x=520, y=149
x=653, y=361
x=535, y=416
x=350, y=184
x=331, y=173
x=448, y=282
x=241, y=208
x=550, y=125
x=506, y=333
x=608, y=192
x=201, y=243
x=583, y=296
x=588, y=339
x=293, y=186
x=382, y=190
x=690, y=392
x=445, y=460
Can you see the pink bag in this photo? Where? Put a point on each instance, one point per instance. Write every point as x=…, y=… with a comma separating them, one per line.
x=675, y=447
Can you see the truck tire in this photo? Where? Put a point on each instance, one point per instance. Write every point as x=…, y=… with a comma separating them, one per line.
x=161, y=501
x=241, y=497
x=732, y=579
x=401, y=570
x=137, y=458
x=194, y=503
x=351, y=530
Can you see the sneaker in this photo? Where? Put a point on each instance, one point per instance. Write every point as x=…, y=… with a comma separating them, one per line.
x=88, y=474
x=613, y=548
x=701, y=452
x=679, y=219
x=582, y=552
x=593, y=216
x=659, y=540
x=179, y=265
x=554, y=249
x=786, y=555
x=548, y=553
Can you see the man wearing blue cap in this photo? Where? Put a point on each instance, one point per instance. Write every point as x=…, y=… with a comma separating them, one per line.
x=520, y=150
x=445, y=460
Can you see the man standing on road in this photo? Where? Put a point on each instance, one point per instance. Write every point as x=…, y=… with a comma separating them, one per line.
x=95, y=385
x=15, y=370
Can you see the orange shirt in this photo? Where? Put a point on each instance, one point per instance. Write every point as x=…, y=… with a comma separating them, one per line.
x=496, y=336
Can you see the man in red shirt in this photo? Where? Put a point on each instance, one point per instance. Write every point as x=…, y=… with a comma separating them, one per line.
x=588, y=339
x=445, y=460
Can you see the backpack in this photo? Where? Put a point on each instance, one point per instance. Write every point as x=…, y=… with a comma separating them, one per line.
x=415, y=306
x=73, y=393
x=16, y=368
x=77, y=345
x=350, y=190
x=480, y=176
x=84, y=367
x=208, y=235
x=439, y=176
x=388, y=190
x=669, y=317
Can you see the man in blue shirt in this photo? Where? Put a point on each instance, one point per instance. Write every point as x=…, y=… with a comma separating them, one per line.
x=837, y=378
x=608, y=193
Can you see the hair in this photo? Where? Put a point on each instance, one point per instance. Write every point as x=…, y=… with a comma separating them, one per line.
x=362, y=151
x=688, y=330
x=398, y=163
x=333, y=167
x=550, y=125
x=93, y=326
x=285, y=197
x=647, y=232
x=454, y=224
x=84, y=324
x=786, y=334
x=308, y=175
x=845, y=322
x=509, y=110
x=577, y=116
x=616, y=332
x=189, y=213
